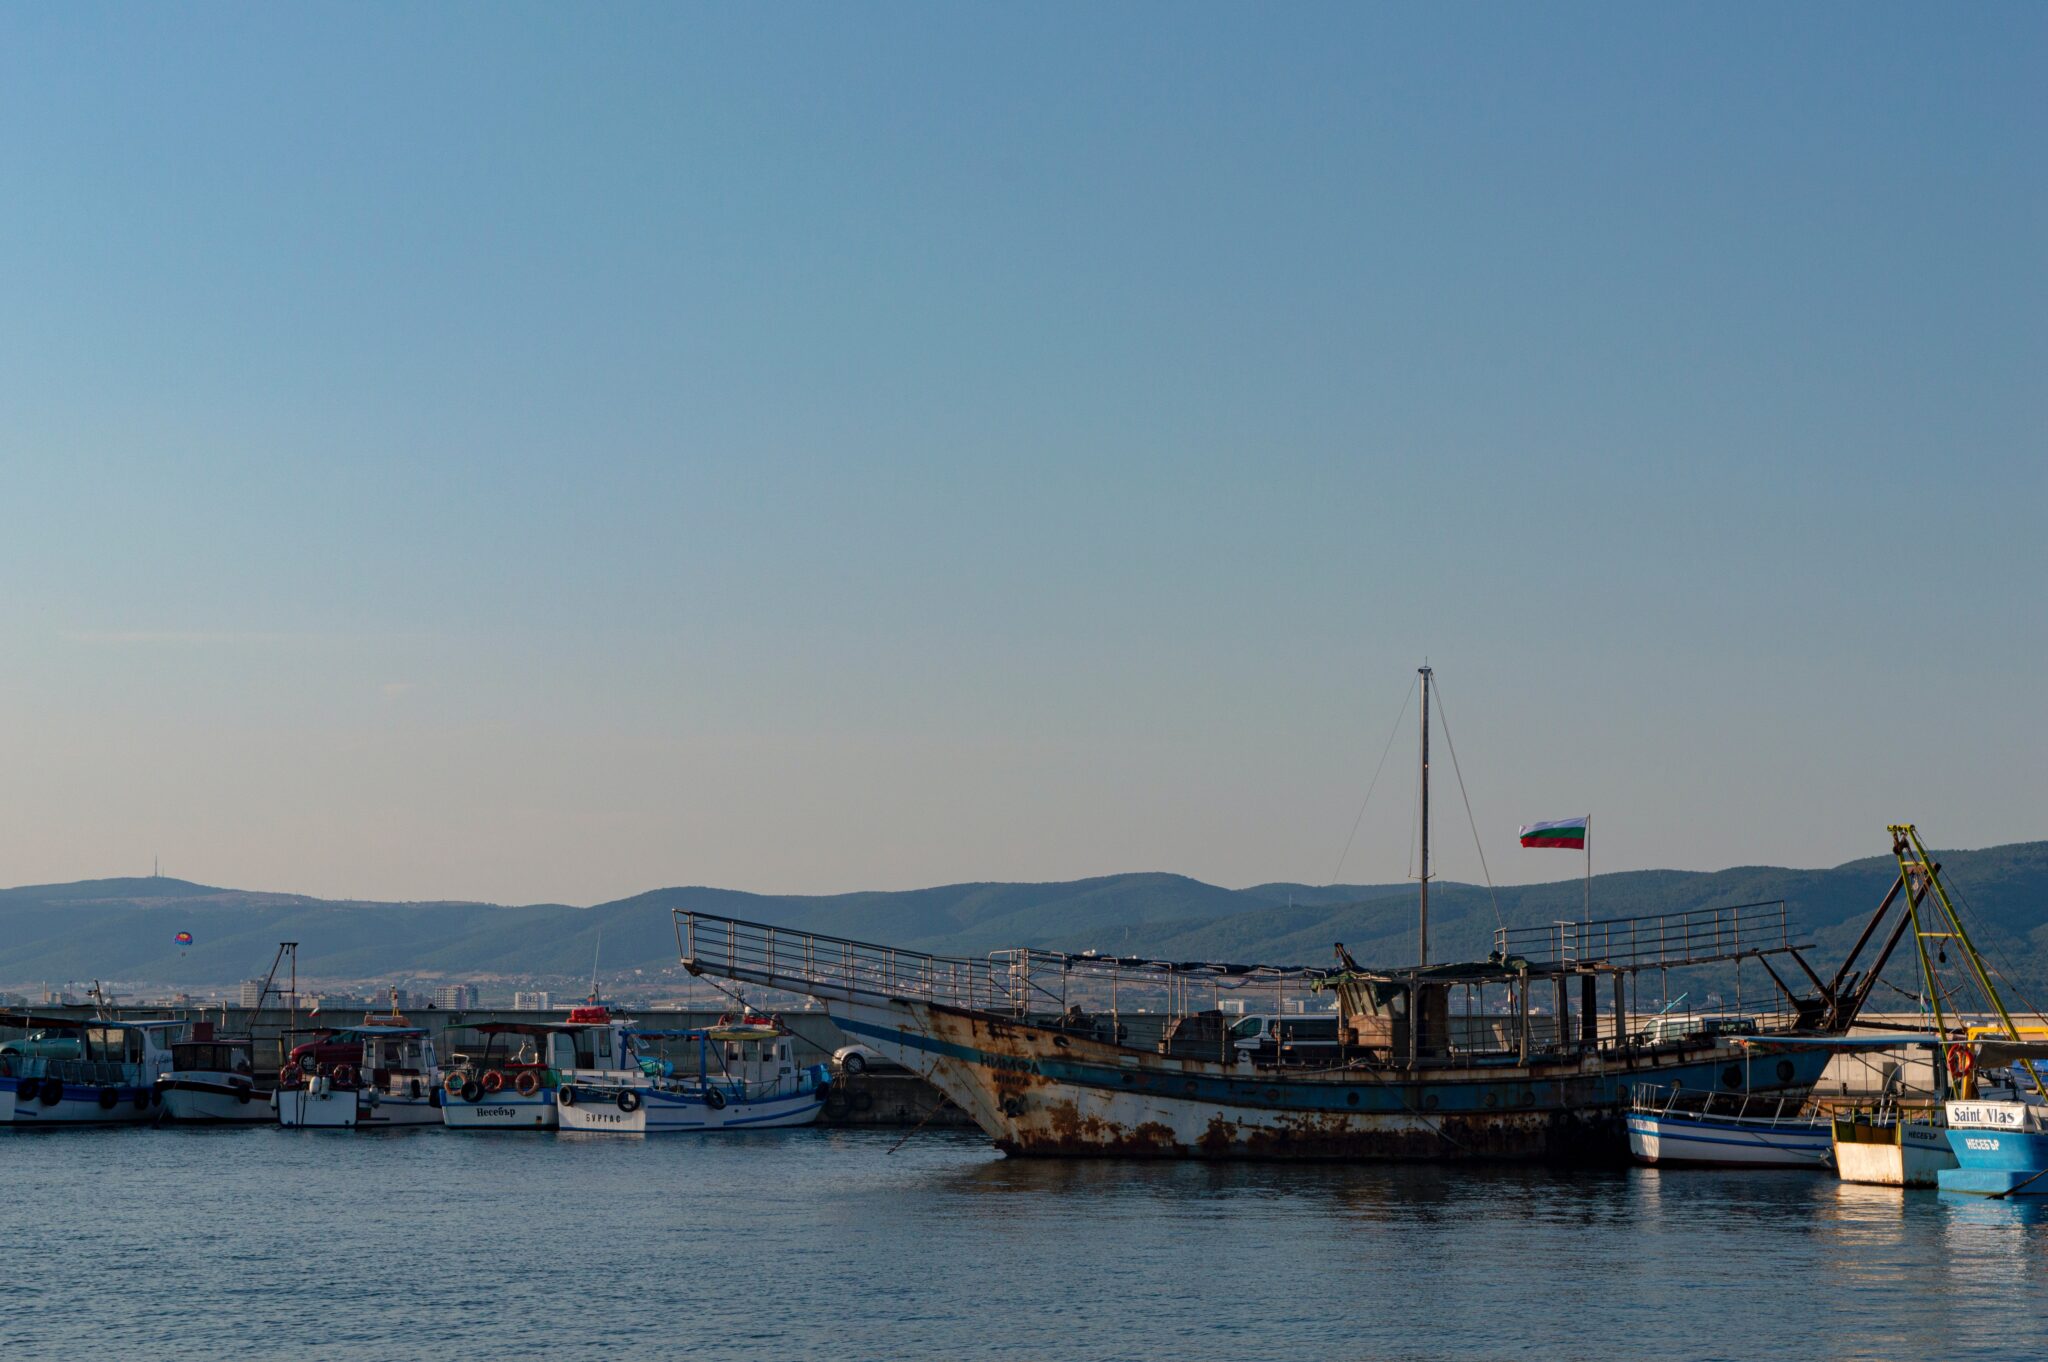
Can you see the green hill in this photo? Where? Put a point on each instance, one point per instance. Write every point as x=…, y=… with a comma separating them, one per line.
x=124, y=928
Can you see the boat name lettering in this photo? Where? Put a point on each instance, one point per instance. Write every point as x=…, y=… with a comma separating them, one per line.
x=1011, y=1062
x=1985, y=1114
x=496, y=1111
x=1985, y=1146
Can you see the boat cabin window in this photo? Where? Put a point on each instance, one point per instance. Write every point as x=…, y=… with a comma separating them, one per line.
x=1249, y=1027
x=113, y=1043
x=593, y=1049
x=395, y=1053
x=215, y=1058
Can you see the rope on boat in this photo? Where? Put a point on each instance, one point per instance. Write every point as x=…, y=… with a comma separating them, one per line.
x=937, y=1107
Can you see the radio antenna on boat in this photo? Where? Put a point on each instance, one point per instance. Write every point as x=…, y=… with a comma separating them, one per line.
x=594, y=954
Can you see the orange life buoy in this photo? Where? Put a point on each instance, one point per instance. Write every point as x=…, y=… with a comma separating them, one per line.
x=453, y=1082
x=1961, y=1063
x=344, y=1075
x=527, y=1083
x=289, y=1076
x=493, y=1080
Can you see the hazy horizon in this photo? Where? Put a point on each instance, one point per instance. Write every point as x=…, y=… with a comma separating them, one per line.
x=1442, y=881
x=546, y=455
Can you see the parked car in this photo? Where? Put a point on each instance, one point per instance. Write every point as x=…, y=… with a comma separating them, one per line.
x=858, y=1059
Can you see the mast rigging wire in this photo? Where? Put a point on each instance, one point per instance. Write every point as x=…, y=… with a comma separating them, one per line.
x=1374, y=783
x=1444, y=716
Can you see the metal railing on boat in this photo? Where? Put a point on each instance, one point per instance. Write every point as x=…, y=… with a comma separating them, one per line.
x=1013, y=982
x=1697, y=936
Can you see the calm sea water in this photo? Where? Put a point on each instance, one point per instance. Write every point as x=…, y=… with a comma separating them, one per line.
x=422, y=1244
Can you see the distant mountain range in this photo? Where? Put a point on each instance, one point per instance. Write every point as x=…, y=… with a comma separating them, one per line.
x=124, y=928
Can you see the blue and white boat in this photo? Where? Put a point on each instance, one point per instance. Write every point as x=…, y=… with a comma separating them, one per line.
x=1668, y=1125
x=746, y=1079
x=512, y=1084
x=68, y=1071
x=2000, y=1140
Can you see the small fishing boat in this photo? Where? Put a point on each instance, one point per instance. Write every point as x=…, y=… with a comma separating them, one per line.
x=1891, y=1148
x=396, y=1082
x=2000, y=1139
x=212, y=1080
x=68, y=1071
x=512, y=1083
x=1668, y=1125
x=745, y=1079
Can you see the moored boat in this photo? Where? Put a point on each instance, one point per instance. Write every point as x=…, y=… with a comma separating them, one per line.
x=1891, y=1149
x=745, y=1079
x=2001, y=1148
x=1537, y=1063
x=67, y=1071
x=396, y=1082
x=513, y=1083
x=212, y=1081
x=1667, y=1125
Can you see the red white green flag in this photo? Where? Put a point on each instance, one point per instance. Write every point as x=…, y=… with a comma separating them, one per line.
x=1569, y=833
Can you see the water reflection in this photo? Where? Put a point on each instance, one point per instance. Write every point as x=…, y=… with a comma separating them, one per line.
x=839, y=1244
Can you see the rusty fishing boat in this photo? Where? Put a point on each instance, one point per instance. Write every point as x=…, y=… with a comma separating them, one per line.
x=1531, y=1053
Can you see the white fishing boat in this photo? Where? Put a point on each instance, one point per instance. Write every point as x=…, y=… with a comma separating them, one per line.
x=1670, y=1125
x=745, y=1079
x=1903, y=1140
x=67, y=1071
x=397, y=1082
x=1892, y=1148
x=512, y=1083
x=212, y=1081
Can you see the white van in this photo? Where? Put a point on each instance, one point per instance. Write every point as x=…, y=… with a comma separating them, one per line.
x=1297, y=1038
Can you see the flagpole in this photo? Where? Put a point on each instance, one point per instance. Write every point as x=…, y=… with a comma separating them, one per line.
x=1589, y=867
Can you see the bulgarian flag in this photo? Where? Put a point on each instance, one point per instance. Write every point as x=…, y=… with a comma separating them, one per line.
x=1569, y=833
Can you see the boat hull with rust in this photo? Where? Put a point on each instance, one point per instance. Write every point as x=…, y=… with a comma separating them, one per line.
x=1039, y=1091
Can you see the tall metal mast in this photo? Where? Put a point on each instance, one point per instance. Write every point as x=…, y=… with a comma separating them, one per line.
x=1424, y=934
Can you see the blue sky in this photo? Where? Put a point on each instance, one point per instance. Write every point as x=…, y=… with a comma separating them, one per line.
x=526, y=453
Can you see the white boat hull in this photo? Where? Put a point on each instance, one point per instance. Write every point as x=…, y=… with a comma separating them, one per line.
x=213, y=1101
x=658, y=1112
x=325, y=1108
x=316, y=1107
x=501, y=1111
x=79, y=1105
x=1913, y=1156
x=1680, y=1138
